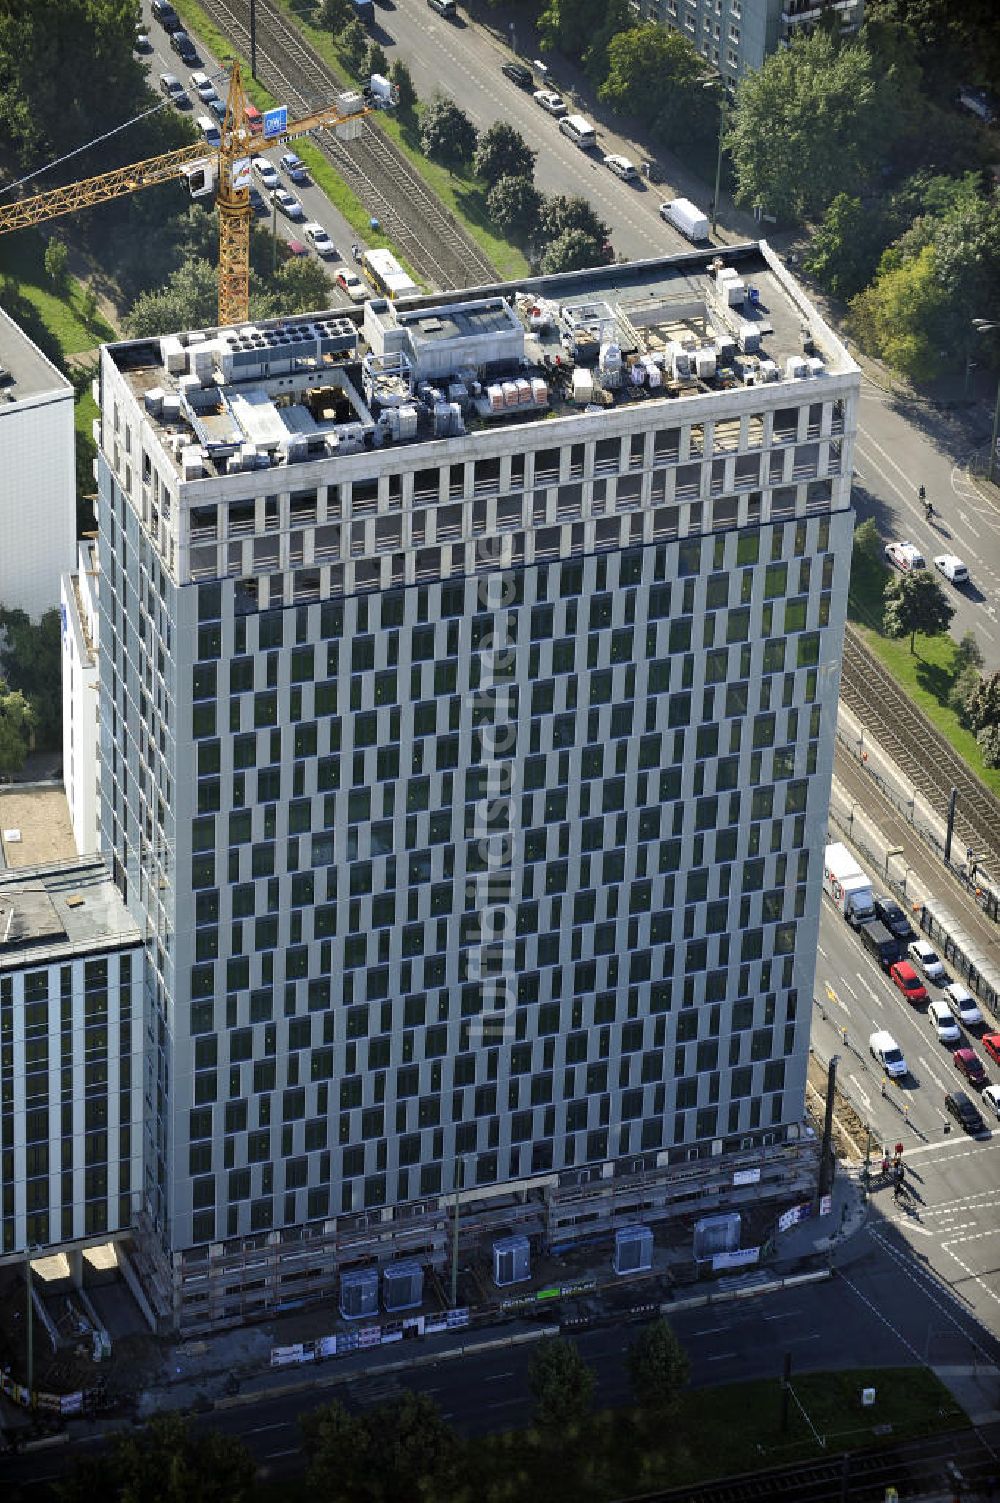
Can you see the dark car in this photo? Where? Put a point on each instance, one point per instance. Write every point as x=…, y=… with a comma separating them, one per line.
x=519, y=74
x=971, y=1066
x=965, y=1112
x=893, y=917
x=164, y=12
x=184, y=47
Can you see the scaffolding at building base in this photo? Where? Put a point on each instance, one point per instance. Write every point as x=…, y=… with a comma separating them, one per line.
x=228, y=1284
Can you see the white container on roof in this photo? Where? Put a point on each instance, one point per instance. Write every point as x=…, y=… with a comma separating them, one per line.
x=443, y=340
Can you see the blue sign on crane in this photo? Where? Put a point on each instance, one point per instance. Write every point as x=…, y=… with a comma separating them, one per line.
x=275, y=121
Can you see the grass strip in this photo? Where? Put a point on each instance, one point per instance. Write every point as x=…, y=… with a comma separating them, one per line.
x=926, y=675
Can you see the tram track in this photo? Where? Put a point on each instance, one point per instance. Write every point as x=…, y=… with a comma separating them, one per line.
x=919, y=749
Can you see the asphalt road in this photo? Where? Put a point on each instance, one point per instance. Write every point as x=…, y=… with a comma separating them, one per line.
x=881, y=1310
x=950, y=1220
x=315, y=204
x=899, y=448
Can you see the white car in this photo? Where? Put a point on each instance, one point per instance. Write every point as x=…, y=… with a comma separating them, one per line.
x=621, y=167
x=351, y=283
x=944, y=1025
x=287, y=203
x=883, y=1047
x=319, y=240
x=952, y=568
x=926, y=960
x=203, y=86
x=267, y=173
x=551, y=102
x=990, y=1098
x=962, y=1004
x=906, y=557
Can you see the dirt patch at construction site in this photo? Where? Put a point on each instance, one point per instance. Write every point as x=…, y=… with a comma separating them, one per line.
x=850, y=1133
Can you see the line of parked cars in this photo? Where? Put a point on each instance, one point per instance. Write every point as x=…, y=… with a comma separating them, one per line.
x=575, y=127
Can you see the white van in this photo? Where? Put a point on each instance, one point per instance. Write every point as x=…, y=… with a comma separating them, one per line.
x=579, y=131
x=209, y=129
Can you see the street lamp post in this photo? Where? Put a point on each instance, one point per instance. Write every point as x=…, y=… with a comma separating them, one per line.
x=989, y=326
x=718, y=163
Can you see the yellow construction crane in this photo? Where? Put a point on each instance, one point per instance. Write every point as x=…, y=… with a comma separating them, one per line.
x=233, y=156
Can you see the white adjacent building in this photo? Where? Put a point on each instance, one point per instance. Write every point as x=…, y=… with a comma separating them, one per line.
x=37, y=475
x=469, y=677
x=80, y=686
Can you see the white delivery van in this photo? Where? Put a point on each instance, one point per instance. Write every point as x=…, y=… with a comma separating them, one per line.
x=579, y=131
x=686, y=217
x=209, y=129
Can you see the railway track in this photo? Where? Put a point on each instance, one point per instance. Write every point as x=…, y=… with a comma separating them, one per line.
x=919, y=749
x=429, y=237
x=916, y=1469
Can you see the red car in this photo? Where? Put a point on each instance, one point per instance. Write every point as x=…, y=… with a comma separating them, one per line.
x=991, y=1043
x=908, y=981
x=971, y=1066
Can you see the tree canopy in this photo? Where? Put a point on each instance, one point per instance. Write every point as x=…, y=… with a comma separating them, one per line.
x=561, y=1384
x=447, y=134
x=817, y=119
x=503, y=152
x=16, y=722
x=399, y=1450
x=31, y=661
x=916, y=603
x=658, y=1369
x=514, y=205
x=168, y=1461
x=657, y=75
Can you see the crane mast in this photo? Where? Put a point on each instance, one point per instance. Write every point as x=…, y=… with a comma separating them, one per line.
x=232, y=164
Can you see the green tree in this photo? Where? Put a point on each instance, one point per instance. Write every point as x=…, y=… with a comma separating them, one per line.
x=657, y=75
x=573, y=250
x=561, y=213
x=503, y=152
x=447, y=134
x=867, y=543
x=375, y=60
x=400, y=75
x=16, y=723
x=814, y=121
x=334, y=15
x=968, y=653
x=354, y=46
x=583, y=29
x=902, y=317
x=88, y=305
x=302, y=285
x=57, y=264
x=514, y=205
x=963, y=692
x=189, y=300
x=916, y=603
x=561, y=1384
x=168, y=1461
x=988, y=740
x=844, y=251
x=31, y=661
x=399, y=1450
x=658, y=1370
x=982, y=706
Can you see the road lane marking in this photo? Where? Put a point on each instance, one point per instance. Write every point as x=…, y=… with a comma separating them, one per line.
x=263, y=1429
x=936, y=1078
x=494, y=1377
x=721, y=1357
x=870, y=989
x=850, y=988
x=273, y=1455
x=876, y=1311
x=861, y=1092
x=822, y=951
x=929, y=1284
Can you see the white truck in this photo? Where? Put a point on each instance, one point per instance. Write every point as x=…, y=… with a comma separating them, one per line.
x=686, y=217
x=847, y=885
